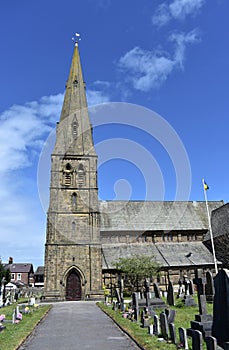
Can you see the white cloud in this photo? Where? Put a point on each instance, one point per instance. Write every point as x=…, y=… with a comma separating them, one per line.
x=95, y=97
x=23, y=128
x=177, y=9
x=146, y=69
x=149, y=69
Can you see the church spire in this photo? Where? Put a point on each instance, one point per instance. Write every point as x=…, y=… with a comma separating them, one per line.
x=75, y=96
x=74, y=132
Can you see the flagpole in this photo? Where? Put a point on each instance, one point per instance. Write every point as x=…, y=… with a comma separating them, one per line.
x=210, y=227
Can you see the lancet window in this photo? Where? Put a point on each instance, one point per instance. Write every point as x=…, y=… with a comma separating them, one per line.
x=81, y=175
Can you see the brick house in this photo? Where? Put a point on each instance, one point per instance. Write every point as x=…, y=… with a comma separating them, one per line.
x=21, y=273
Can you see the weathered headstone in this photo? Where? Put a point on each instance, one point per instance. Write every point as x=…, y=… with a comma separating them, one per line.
x=183, y=338
x=170, y=315
x=191, y=288
x=135, y=306
x=150, y=330
x=164, y=326
x=197, y=340
x=147, y=294
x=170, y=295
x=121, y=287
x=188, y=299
x=156, y=325
x=1, y=292
x=209, y=287
x=203, y=321
x=172, y=333
x=220, y=328
x=211, y=343
x=156, y=290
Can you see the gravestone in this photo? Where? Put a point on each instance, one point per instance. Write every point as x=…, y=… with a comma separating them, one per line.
x=156, y=325
x=197, y=342
x=164, y=326
x=170, y=314
x=183, y=338
x=188, y=299
x=220, y=328
x=135, y=306
x=150, y=330
x=147, y=294
x=172, y=333
x=211, y=343
x=170, y=295
x=121, y=287
x=209, y=287
x=203, y=321
x=191, y=288
x=157, y=292
x=2, y=291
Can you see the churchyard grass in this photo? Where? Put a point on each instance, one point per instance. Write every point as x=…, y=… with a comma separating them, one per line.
x=184, y=315
x=14, y=334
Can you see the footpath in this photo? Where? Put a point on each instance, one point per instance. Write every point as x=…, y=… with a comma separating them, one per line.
x=75, y=326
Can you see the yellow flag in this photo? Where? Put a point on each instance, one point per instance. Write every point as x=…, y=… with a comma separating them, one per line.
x=206, y=187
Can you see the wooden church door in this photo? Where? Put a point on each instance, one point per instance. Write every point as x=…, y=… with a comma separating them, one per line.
x=73, y=286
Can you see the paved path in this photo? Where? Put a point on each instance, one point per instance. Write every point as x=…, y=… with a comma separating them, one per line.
x=75, y=326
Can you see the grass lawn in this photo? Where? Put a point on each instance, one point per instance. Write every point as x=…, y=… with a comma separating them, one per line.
x=183, y=317
x=14, y=334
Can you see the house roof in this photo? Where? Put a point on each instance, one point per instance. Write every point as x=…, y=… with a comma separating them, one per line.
x=19, y=267
x=155, y=215
x=39, y=270
x=169, y=254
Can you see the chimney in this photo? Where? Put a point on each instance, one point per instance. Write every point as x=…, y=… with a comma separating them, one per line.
x=10, y=260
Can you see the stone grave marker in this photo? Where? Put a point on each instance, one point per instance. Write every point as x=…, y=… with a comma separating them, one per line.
x=209, y=287
x=191, y=287
x=164, y=325
x=220, y=328
x=203, y=321
x=183, y=338
x=188, y=299
x=150, y=330
x=156, y=325
x=172, y=333
x=1, y=291
x=135, y=306
x=170, y=295
x=170, y=315
x=157, y=292
x=197, y=342
x=211, y=343
x=147, y=294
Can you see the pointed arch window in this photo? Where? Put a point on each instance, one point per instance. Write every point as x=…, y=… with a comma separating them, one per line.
x=75, y=127
x=73, y=227
x=67, y=174
x=74, y=201
x=81, y=175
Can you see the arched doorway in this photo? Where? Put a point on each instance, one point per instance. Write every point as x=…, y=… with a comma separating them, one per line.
x=73, y=286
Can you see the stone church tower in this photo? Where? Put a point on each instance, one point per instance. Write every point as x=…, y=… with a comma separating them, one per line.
x=73, y=267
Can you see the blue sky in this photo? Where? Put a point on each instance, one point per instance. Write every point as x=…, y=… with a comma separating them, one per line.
x=170, y=57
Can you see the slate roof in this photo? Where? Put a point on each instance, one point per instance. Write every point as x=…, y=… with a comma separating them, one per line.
x=39, y=270
x=154, y=215
x=19, y=267
x=169, y=254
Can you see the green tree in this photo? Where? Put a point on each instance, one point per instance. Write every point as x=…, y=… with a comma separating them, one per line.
x=5, y=277
x=137, y=268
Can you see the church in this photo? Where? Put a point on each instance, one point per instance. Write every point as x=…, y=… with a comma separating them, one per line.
x=85, y=236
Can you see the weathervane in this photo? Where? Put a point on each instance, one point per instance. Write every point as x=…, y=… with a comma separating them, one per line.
x=76, y=39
